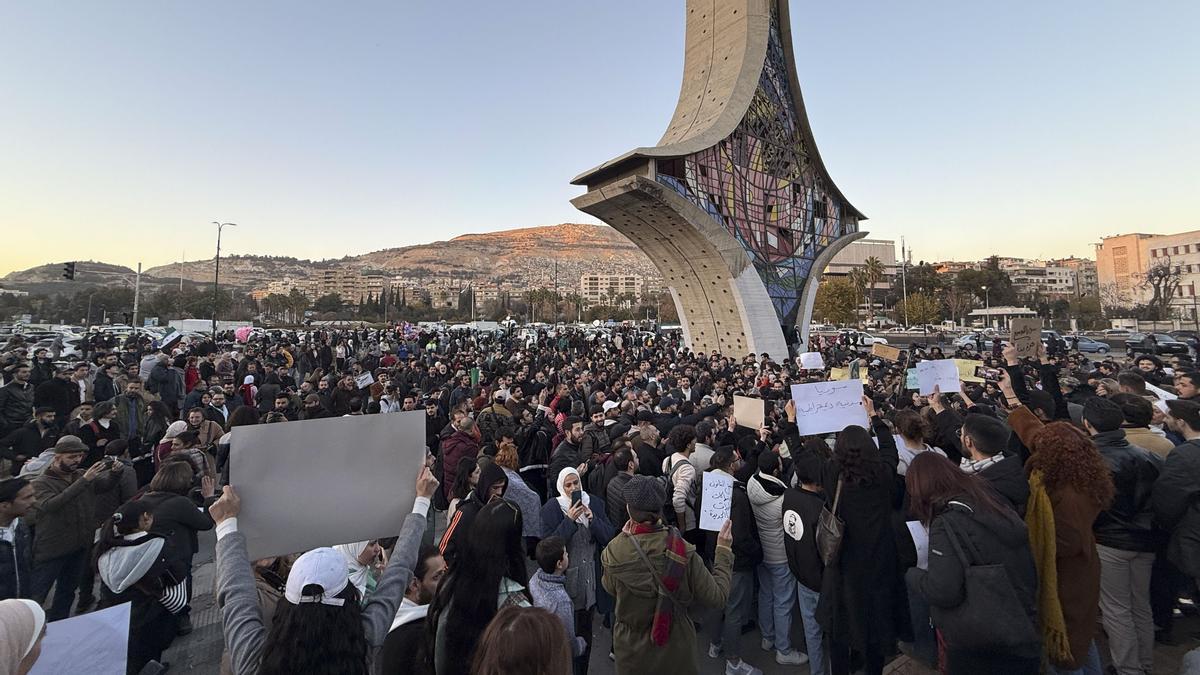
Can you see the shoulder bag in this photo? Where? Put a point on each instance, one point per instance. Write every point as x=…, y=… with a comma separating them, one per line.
x=830, y=530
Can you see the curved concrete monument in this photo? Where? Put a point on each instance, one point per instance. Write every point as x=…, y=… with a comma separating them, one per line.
x=733, y=205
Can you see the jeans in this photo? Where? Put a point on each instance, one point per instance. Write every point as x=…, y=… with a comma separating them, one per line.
x=1090, y=667
x=63, y=573
x=1125, y=608
x=812, y=629
x=776, y=588
x=727, y=631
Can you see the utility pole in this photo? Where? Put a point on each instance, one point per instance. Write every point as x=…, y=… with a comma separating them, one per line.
x=556, y=290
x=904, y=278
x=137, y=296
x=217, y=276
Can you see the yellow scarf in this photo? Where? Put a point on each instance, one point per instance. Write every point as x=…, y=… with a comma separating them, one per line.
x=1039, y=518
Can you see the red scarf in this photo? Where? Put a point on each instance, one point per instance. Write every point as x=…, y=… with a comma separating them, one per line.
x=675, y=551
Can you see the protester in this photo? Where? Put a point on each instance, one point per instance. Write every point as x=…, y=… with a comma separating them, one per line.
x=16, y=540
x=361, y=565
x=776, y=585
x=22, y=627
x=491, y=487
x=404, y=650
x=970, y=527
x=656, y=578
x=547, y=587
x=802, y=505
x=522, y=640
x=521, y=494
x=318, y=600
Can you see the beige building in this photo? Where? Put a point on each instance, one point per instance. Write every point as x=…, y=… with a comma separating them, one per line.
x=1122, y=262
x=596, y=289
x=351, y=285
x=1086, y=283
x=1040, y=277
x=855, y=255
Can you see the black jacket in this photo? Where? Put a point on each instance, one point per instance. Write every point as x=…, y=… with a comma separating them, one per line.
x=16, y=562
x=1177, y=505
x=801, y=509
x=995, y=539
x=16, y=405
x=57, y=393
x=28, y=441
x=1128, y=524
x=177, y=518
x=1007, y=478
x=103, y=388
x=565, y=455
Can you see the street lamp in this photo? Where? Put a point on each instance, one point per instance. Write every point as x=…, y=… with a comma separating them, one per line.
x=217, y=276
x=987, y=303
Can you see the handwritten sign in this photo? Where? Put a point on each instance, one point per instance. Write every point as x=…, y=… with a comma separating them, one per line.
x=365, y=380
x=827, y=407
x=89, y=643
x=812, y=361
x=748, y=411
x=910, y=379
x=885, y=352
x=966, y=370
x=839, y=374
x=941, y=373
x=716, y=500
x=1026, y=336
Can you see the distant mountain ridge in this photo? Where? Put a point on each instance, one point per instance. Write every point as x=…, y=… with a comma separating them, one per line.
x=525, y=255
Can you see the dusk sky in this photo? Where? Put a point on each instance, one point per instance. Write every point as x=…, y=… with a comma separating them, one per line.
x=327, y=129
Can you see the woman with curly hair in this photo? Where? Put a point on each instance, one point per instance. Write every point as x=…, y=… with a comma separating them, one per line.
x=862, y=592
x=1069, y=486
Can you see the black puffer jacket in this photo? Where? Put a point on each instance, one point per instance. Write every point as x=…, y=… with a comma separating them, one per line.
x=16, y=405
x=1007, y=478
x=1128, y=524
x=996, y=539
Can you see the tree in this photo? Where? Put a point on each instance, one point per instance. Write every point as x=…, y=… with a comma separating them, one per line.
x=922, y=309
x=330, y=302
x=1163, y=280
x=873, y=272
x=858, y=281
x=921, y=277
x=837, y=301
x=297, y=303
x=958, y=302
x=999, y=285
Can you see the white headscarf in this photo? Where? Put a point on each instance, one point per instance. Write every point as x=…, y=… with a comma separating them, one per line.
x=564, y=500
x=174, y=429
x=21, y=623
x=359, y=573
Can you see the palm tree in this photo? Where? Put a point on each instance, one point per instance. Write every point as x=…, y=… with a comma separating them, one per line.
x=873, y=271
x=858, y=279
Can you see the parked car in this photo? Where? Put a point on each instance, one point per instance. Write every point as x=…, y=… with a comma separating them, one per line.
x=1155, y=343
x=1191, y=337
x=861, y=339
x=968, y=340
x=1088, y=345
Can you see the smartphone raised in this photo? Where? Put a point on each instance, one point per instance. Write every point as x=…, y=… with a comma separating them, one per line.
x=576, y=497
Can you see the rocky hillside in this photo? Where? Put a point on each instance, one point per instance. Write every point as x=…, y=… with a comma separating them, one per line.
x=525, y=254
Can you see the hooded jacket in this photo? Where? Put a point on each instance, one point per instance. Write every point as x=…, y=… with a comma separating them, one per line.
x=459, y=528
x=1007, y=478
x=766, y=498
x=460, y=444
x=403, y=647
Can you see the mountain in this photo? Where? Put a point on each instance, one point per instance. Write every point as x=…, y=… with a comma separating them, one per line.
x=520, y=256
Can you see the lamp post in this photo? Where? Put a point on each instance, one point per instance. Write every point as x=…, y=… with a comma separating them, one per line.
x=217, y=276
x=987, y=304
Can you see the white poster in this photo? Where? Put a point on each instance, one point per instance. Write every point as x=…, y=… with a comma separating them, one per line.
x=748, y=411
x=812, y=361
x=365, y=380
x=716, y=500
x=96, y=643
x=941, y=373
x=328, y=481
x=826, y=407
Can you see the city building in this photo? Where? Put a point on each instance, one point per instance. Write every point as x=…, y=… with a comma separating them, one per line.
x=351, y=285
x=1038, y=277
x=599, y=289
x=1122, y=262
x=855, y=255
x=1086, y=283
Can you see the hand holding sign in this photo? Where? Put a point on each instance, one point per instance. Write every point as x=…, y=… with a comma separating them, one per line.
x=1026, y=336
x=941, y=373
x=716, y=501
x=826, y=407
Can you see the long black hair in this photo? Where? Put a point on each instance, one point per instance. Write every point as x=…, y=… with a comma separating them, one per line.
x=317, y=639
x=468, y=595
x=858, y=457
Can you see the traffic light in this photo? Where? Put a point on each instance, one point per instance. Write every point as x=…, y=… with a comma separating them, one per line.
x=69, y=270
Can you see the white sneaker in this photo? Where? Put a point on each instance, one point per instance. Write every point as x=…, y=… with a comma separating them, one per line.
x=714, y=650
x=792, y=658
x=742, y=668
x=767, y=645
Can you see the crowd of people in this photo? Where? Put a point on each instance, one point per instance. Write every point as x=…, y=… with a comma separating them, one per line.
x=1046, y=518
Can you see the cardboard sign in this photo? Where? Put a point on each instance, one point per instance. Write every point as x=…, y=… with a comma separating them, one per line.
x=328, y=481
x=1026, y=336
x=749, y=412
x=885, y=352
x=941, y=373
x=839, y=374
x=827, y=407
x=812, y=361
x=966, y=370
x=365, y=380
x=97, y=642
x=716, y=500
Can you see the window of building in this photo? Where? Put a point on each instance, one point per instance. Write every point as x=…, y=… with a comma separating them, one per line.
x=1175, y=250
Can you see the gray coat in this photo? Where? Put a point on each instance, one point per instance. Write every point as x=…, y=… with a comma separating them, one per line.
x=245, y=633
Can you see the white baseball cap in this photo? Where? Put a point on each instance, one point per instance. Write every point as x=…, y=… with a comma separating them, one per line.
x=324, y=567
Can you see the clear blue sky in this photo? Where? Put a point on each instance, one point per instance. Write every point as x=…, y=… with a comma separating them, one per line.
x=327, y=129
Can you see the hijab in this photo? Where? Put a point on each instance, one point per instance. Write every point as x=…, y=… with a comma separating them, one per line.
x=21, y=623
x=564, y=499
x=360, y=575
x=174, y=429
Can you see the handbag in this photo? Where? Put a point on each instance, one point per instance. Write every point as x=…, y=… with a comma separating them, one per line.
x=830, y=530
x=990, y=617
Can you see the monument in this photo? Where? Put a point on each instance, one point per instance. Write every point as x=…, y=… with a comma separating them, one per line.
x=733, y=205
